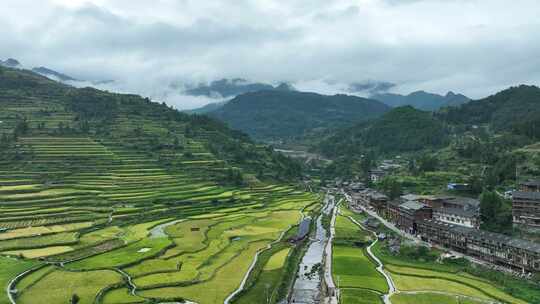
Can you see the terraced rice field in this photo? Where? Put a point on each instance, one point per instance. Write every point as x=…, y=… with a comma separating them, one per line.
x=99, y=212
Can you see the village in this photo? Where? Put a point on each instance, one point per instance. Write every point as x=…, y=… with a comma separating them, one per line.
x=453, y=223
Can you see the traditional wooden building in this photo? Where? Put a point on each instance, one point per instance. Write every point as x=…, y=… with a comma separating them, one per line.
x=411, y=213
x=378, y=202
x=392, y=211
x=526, y=209
x=492, y=247
x=530, y=186
x=458, y=216
x=462, y=211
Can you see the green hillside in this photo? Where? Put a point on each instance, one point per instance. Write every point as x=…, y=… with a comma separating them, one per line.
x=516, y=109
x=275, y=115
x=34, y=108
x=88, y=179
x=401, y=130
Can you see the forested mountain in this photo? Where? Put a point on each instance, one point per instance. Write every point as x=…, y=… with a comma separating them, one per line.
x=279, y=114
x=34, y=107
x=516, y=109
x=400, y=130
x=422, y=100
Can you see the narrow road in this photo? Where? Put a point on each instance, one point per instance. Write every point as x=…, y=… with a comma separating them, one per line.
x=380, y=266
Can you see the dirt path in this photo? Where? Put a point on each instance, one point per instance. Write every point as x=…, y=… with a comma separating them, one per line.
x=380, y=266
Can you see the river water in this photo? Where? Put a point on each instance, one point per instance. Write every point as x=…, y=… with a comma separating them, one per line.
x=307, y=286
x=159, y=230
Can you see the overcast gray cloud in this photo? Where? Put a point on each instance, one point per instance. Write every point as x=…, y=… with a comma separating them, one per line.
x=471, y=46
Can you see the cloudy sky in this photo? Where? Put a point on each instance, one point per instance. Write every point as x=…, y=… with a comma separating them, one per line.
x=471, y=46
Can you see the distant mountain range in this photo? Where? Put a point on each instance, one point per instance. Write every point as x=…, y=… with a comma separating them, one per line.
x=10, y=63
x=52, y=74
x=422, y=100
x=225, y=88
x=279, y=114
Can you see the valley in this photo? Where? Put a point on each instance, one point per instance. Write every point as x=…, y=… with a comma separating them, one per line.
x=110, y=198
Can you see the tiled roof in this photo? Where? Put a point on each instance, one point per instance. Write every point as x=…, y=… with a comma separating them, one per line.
x=411, y=205
x=457, y=211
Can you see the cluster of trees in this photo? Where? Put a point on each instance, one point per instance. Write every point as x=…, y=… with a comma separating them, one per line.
x=424, y=163
x=391, y=187
x=496, y=213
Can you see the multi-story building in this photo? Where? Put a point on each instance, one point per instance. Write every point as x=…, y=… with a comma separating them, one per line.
x=458, y=216
x=462, y=211
x=492, y=247
x=526, y=206
x=411, y=213
x=530, y=186
x=526, y=209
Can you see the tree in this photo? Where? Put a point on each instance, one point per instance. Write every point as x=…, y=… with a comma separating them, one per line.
x=75, y=299
x=367, y=162
x=21, y=128
x=413, y=168
x=391, y=187
x=476, y=184
x=495, y=212
x=428, y=163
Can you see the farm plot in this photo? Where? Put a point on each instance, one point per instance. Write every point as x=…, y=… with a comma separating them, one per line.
x=429, y=298
x=418, y=278
x=190, y=256
x=410, y=279
x=59, y=286
x=266, y=283
x=9, y=269
x=363, y=296
x=352, y=270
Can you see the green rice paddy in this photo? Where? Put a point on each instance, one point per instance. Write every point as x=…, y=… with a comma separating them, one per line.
x=90, y=206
